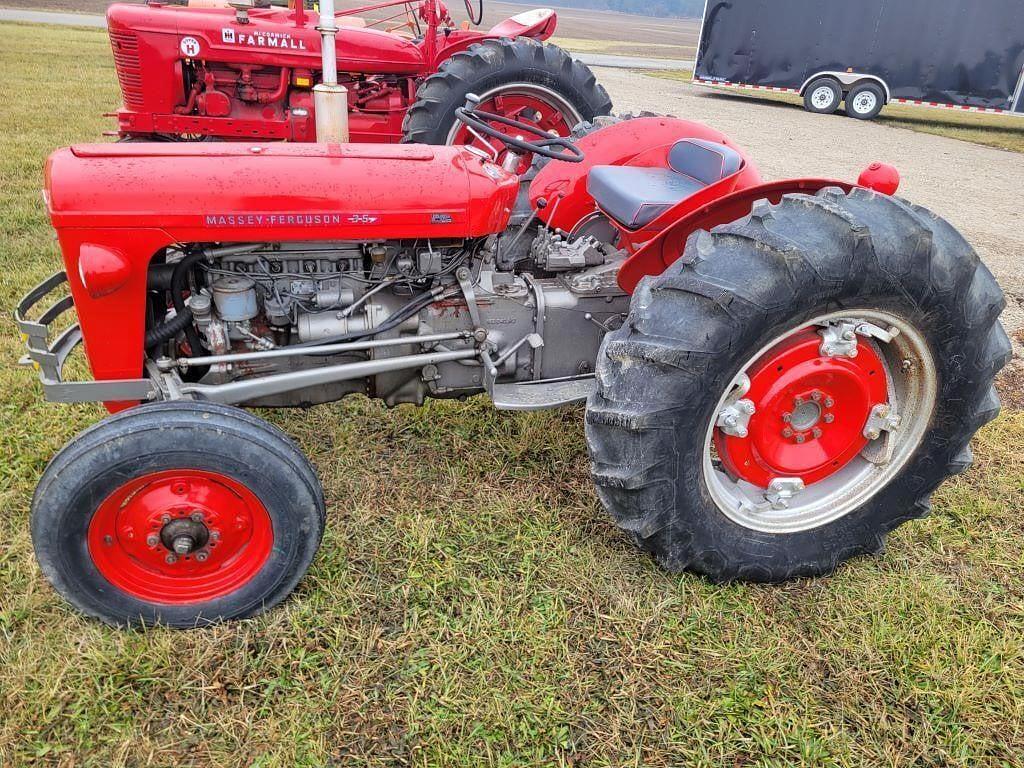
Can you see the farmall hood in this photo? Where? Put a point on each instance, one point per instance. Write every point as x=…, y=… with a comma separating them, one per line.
x=279, y=191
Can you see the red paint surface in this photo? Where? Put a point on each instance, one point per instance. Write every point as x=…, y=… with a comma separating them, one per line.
x=241, y=536
x=795, y=369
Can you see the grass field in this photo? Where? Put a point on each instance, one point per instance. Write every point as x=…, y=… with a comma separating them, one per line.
x=471, y=603
x=993, y=130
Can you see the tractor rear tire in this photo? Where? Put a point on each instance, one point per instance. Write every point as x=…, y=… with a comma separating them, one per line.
x=233, y=491
x=655, y=428
x=541, y=71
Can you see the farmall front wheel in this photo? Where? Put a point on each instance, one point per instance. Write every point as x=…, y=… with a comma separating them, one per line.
x=181, y=514
x=523, y=79
x=795, y=386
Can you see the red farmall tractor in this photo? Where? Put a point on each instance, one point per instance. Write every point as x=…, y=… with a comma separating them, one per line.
x=252, y=72
x=776, y=374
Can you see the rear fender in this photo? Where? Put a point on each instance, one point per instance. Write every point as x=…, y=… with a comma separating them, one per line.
x=677, y=224
x=539, y=24
x=640, y=141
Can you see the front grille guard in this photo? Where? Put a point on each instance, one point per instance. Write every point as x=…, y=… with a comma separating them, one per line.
x=49, y=359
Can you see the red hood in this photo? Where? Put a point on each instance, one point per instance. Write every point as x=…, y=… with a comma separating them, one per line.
x=215, y=192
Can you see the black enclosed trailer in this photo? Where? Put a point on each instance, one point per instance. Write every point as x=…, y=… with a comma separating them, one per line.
x=958, y=54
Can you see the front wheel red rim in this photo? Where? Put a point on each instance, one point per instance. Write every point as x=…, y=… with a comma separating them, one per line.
x=180, y=537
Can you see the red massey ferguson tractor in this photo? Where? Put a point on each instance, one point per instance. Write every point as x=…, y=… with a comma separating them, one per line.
x=776, y=374
x=249, y=73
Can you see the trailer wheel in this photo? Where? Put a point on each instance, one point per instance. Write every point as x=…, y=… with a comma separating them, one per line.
x=865, y=101
x=795, y=386
x=179, y=513
x=823, y=96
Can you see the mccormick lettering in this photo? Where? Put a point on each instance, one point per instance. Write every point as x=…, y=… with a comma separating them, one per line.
x=286, y=219
x=262, y=39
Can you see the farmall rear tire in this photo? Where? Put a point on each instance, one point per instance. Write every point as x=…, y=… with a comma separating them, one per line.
x=232, y=490
x=494, y=67
x=747, y=294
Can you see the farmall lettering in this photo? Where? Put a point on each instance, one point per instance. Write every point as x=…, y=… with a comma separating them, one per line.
x=261, y=39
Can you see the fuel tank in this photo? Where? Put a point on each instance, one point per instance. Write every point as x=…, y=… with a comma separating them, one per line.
x=270, y=36
x=269, y=192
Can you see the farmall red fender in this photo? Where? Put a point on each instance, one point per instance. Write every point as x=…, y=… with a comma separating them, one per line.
x=115, y=206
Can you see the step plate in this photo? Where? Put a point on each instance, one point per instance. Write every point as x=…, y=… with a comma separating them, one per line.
x=535, y=395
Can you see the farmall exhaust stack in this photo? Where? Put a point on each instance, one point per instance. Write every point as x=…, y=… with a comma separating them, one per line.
x=330, y=100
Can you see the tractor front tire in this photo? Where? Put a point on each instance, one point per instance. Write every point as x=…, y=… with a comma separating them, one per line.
x=180, y=513
x=529, y=75
x=737, y=432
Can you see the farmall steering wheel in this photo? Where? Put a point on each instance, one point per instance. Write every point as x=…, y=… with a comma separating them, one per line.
x=483, y=123
x=475, y=20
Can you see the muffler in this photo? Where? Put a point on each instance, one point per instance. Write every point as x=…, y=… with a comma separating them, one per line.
x=330, y=100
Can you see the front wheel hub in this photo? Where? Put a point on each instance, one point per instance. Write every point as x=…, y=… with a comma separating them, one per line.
x=180, y=536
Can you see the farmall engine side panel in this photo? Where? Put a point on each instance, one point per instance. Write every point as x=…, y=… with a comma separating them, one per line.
x=115, y=205
x=270, y=38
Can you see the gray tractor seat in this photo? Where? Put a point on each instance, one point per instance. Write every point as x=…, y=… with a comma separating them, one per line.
x=635, y=196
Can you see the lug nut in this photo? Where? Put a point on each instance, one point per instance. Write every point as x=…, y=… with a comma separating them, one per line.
x=152, y=540
x=829, y=418
x=165, y=518
x=800, y=438
x=196, y=517
x=171, y=558
x=815, y=395
x=787, y=417
x=816, y=432
x=787, y=432
x=201, y=555
x=798, y=401
x=829, y=402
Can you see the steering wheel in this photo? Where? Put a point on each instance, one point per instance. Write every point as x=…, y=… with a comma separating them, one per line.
x=474, y=20
x=481, y=123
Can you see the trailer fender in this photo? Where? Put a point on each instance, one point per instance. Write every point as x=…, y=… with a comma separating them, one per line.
x=848, y=80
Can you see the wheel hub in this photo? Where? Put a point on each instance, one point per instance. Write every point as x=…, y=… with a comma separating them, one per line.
x=184, y=536
x=809, y=412
x=181, y=536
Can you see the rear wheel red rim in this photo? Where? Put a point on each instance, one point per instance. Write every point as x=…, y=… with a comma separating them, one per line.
x=528, y=103
x=819, y=420
x=810, y=411
x=227, y=531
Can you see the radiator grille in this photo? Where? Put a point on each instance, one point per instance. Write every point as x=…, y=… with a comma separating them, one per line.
x=129, y=71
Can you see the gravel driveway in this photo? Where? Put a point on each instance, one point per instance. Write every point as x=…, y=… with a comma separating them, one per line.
x=979, y=189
